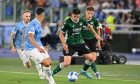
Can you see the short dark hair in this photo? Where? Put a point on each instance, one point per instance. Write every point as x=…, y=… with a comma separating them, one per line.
x=76, y=11
x=40, y=10
x=90, y=8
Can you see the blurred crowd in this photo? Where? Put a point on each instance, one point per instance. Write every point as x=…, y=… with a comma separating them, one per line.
x=51, y=36
x=99, y=5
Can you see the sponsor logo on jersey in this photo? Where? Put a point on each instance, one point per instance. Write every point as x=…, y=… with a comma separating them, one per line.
x=76, y=31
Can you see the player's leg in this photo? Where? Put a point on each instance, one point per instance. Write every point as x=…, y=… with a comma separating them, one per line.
x=24, y=58
x=67, y=60
x=39, y=69
x=84, y=50
x=92, y=47
x=93, y=66
x=47, y=67
x=37, y=64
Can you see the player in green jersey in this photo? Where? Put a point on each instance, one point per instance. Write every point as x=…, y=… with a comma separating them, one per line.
x=74, y=43
x=89, y=38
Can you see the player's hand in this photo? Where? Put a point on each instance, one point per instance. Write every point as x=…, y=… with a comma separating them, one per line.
x=13, y=50
x=45, y=48
x=65, y=47
x=41, y=50
x=99, y=38
x=22, y=45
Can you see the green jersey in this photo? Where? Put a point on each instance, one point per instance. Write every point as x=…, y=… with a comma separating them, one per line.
x=73, y=31
x=86, y=33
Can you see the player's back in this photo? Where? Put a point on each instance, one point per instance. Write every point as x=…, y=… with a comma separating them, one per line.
x=18, y=30
x=35, y=28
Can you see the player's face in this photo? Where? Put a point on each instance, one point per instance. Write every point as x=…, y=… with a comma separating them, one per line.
x=75, y=18
x=43, y=15
x=89, y=14
x=26, y=17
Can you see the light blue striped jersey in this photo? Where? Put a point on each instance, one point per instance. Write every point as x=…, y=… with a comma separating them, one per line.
x=33, y=27
x=18, y=30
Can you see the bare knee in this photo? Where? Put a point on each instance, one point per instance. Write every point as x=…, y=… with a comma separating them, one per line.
x=28, y=64
x=90, y=59
x=46, y=63
x=65, y=64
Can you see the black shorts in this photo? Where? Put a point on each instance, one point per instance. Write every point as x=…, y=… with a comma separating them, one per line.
x=91, y=44
x=81, y=49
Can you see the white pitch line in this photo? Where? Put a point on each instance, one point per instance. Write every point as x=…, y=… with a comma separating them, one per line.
x=66, y=76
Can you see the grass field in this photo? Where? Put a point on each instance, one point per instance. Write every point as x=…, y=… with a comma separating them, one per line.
x=13, y=72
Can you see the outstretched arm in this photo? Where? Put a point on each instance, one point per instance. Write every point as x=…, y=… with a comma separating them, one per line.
x=93, y=31
x=32, y=40
x=61, y=36
x=13, y=49
x=98, y=42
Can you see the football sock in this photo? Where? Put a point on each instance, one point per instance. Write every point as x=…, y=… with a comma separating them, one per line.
x=93, y=66
x=47, y=71
x=58, y=68
x=87, y=64
x=39, y=68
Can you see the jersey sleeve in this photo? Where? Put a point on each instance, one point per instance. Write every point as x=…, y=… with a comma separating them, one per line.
x=64, y=27
x=15, y=29
x=97, y=23
x=32, y=28
x=84, y=22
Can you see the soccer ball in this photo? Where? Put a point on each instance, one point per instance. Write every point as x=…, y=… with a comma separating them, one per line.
x=72, y=76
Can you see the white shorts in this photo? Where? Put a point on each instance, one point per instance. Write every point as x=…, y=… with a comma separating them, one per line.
x=36, y=56
x=23, y=56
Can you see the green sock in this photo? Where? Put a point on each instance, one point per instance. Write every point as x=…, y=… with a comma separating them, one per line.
x=58, y=68
x=87, y=64
x=93, y=66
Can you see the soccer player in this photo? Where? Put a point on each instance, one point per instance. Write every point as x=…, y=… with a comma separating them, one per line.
x=90, y=39
x=16, y=44
x=33, y=46
x=17, y=33
x=72, y=27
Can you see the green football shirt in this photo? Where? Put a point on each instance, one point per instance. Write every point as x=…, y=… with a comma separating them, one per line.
x=73, y=31
x=86, y=33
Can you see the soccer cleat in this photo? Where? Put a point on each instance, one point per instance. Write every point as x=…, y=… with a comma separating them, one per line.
x=86, y=74
x=49, y=78
x=41, y=77
x=97, y=75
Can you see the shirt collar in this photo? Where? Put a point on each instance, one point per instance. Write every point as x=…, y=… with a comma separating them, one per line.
x=74, y=21
x=37, y=21
x=24, y=23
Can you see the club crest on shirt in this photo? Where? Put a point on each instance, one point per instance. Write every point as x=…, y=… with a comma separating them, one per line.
x=91, y=23
x=32, y=28
x=81, y=24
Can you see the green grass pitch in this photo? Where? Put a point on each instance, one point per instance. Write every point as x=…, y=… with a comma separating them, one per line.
x=12, y=71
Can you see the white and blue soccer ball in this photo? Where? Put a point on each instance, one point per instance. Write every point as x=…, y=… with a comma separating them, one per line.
x=72, y=76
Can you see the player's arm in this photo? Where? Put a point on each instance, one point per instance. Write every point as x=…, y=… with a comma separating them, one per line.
x=98, y=42
x=62, y=38
x=23, y=39
x=13, y=33
x=32, y=40
x=13, y=49
x=93, y=31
